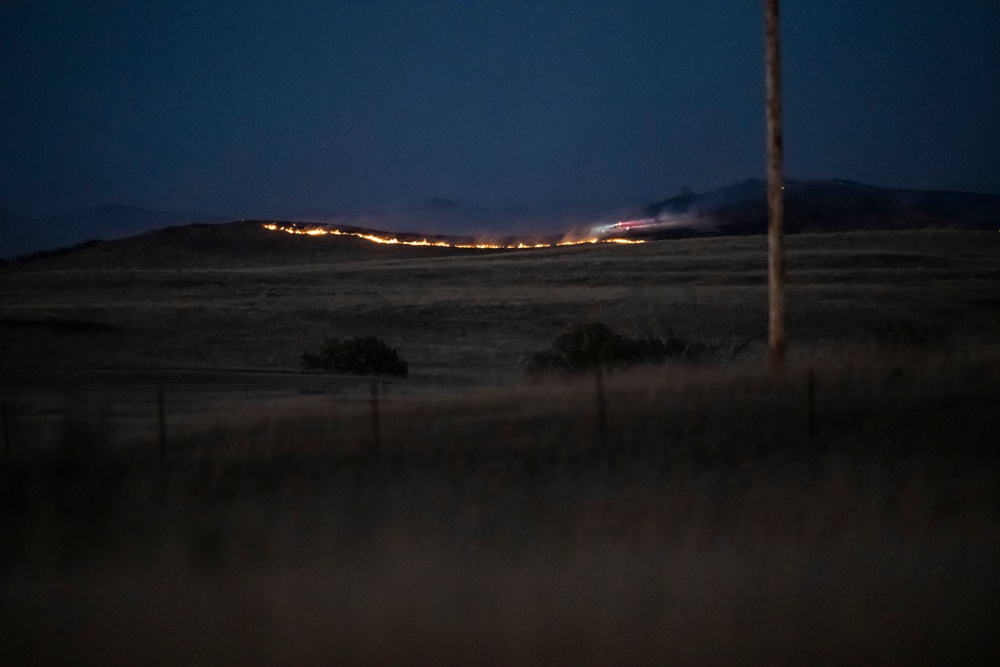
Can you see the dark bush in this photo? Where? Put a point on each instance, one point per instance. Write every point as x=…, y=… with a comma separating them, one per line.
x=593, y=344
x=365, y=355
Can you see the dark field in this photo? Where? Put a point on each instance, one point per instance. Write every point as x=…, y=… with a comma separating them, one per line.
x=702, y=511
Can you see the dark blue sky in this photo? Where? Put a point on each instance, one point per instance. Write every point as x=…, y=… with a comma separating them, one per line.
x=259, y=108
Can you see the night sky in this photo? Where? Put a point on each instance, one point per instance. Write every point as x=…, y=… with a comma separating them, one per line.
x=280, y=109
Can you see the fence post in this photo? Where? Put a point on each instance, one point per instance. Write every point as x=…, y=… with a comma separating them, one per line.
x=602, y=409
x=162, y=414
x=376, y=436
x=811, y=398
x=6, y=433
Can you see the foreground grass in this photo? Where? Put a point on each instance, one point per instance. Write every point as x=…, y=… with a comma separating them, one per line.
x=701, y=516
x=694, y=520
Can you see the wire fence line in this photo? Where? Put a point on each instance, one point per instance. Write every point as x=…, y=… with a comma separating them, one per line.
x=34, y=417
x=165, y=414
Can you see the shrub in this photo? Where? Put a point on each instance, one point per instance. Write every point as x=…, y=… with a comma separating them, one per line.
x=364, y=355
x=594, y=344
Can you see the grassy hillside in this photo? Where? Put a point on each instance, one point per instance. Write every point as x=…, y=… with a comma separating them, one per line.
x=693, y=513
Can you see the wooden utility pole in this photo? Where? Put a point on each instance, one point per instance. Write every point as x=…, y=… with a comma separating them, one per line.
x=775, y=190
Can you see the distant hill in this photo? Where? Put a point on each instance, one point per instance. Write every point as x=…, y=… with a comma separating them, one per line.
x=824, y=206
x=689, y=203
x=225, y=245
x=169, y=239
x=20, y=235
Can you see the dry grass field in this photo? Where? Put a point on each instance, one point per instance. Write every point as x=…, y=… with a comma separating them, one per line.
x=702, y=511
x=231, y=301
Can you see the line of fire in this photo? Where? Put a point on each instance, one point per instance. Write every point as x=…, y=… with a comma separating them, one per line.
x=447, y=242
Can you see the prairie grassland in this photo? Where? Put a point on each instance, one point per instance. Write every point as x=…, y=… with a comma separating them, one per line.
x=706, y=513
x=475, y=317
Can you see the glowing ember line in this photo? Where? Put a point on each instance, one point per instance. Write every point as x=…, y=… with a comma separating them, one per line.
x=392, y=240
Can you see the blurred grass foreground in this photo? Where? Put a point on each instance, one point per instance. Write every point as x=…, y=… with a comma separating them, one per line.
x=846, y=512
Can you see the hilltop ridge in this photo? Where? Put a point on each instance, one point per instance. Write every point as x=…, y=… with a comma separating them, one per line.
x=824, y=206
x=836, y=205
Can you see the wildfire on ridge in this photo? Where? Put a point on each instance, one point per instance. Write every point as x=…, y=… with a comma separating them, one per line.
x=376, y=238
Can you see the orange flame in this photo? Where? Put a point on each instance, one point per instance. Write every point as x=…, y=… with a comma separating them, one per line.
x=375, y=238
